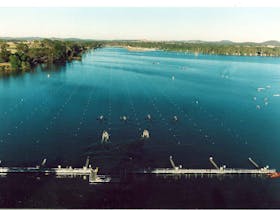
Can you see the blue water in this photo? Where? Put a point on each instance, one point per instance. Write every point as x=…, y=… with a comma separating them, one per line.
x=52, y=113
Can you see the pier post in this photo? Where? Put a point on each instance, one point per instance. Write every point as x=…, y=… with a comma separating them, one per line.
x=87, y=162
x=254, y=163
x=44, y=162
x=213, y=163
x=172, y=162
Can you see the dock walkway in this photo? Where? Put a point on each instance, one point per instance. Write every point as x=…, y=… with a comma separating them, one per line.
x=86, y=170
x=208, y=171
x=217, y=170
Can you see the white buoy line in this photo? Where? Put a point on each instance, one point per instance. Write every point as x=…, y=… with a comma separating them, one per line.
x=233, y=133
x=132, y=105
x=206, y=136
x=84, y=113
x=215, y=120
x=19, y=102
x=153, y=102
x=61, y=108
x=21, y=122
x=110, y=101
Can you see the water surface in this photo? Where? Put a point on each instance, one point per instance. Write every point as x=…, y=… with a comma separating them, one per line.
x=52, y=113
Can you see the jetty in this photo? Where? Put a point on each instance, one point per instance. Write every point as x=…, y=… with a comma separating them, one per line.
x=59, y=171
x=215, y=171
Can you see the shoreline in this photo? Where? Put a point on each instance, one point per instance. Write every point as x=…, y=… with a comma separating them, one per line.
x=250, y=50
x=146, y=49
x=139, y=49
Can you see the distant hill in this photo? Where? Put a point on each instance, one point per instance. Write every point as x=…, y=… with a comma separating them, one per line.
x=222, y=42
x=271, y=42
x=21, y=38
x=41, y=38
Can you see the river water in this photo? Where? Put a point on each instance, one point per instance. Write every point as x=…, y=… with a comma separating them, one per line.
x=226, y=107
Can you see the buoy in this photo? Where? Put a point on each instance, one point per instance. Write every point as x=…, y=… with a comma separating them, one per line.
x=123, y=118
x=145, y=134
x=105, y=137
x=49, y=75
x=173, y=78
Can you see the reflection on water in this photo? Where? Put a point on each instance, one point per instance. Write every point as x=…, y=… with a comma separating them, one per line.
x=139, y=192
x=193, y=107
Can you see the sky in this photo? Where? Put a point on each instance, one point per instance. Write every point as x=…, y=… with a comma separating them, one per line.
x=208, y=24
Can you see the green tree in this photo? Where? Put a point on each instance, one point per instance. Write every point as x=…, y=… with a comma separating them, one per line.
x=22, y=48
x=15, y=62
x=4, y=53
x=25, y=66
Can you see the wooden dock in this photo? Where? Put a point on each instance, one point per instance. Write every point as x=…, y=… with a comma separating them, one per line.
x=87, y=170
x=208, y=171
x=217, y=170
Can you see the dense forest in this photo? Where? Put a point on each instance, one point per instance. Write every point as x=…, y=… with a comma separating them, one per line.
x=23, y=55
x=219, y=48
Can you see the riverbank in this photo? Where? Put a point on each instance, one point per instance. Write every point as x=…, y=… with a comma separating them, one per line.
x=209, y=48
x=22, y=56
x=5, y=67
x=140, y=49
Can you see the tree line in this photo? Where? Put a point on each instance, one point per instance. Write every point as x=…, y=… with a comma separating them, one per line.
x=28, y=55
x=218, y=48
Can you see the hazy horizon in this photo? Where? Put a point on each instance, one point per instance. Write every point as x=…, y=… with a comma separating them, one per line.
x=155, y=24
x=152, y=40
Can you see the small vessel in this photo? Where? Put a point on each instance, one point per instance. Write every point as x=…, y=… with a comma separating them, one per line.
x=145, y=134
x=175, y=118
x=101, y=118
x=149, y=117
x=105, y=137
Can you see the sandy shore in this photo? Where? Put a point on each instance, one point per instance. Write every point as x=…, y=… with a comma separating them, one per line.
x=141, y=49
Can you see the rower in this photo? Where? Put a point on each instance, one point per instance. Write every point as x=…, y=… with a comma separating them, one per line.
x=105, y=137
x=145, y=134
x=175, y=118
x=101, y=118
x=123, y=118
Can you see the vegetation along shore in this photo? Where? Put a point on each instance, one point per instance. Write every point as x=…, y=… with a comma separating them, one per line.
x=269, y=48
x=19, y=55
x=23, y=55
